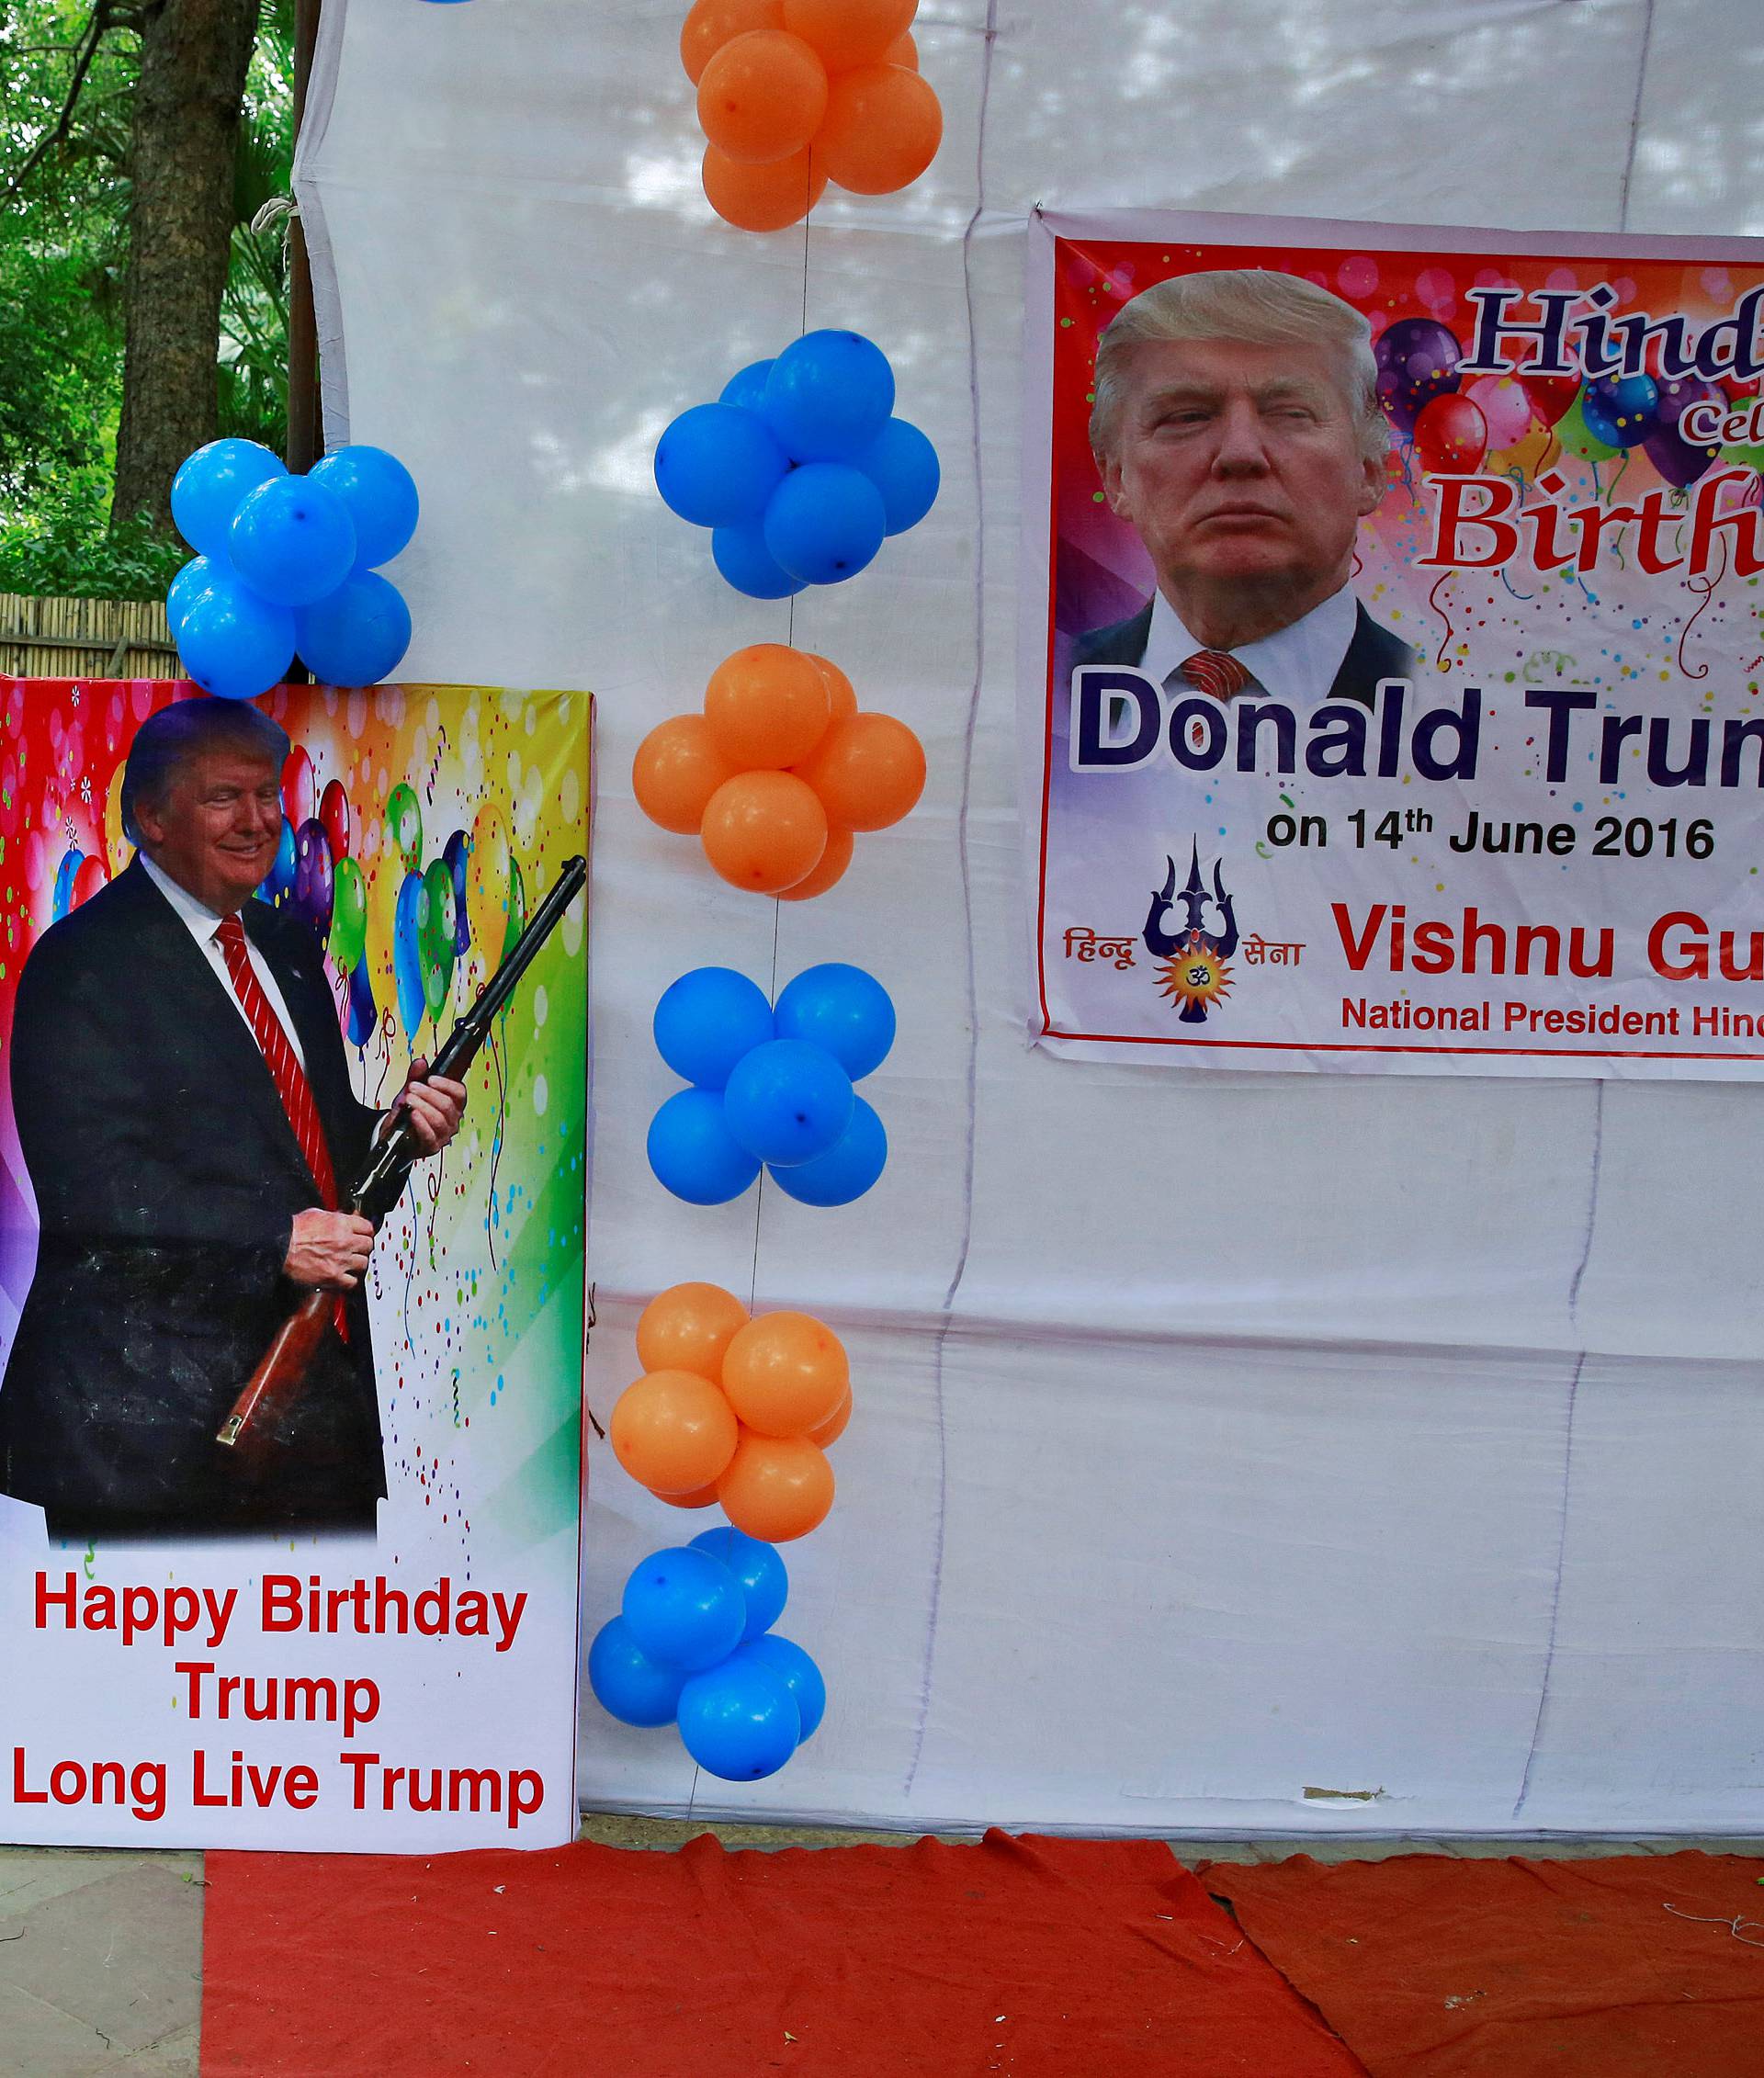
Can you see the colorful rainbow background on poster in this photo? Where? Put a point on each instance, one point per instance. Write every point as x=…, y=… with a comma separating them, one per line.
x=476, y=1284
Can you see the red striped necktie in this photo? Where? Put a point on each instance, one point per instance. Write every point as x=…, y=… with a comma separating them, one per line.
x=290, y=1077
x=1216, y=672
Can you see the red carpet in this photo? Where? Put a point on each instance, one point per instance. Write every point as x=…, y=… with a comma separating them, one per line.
x=1512, y=1969
x=1032, y=1958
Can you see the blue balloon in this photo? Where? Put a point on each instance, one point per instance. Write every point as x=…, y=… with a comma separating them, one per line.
x=357, y=634
x=707, y=1021
x=842, y=1010
x=233, y=643
x=742, y=555
x=196, y=576
x=718, y=464
x=364, y=1012
x=457, y=851
x=279, y=885
x=825, y=523
x=290, y=542
x=846, y=1170
x=828, y=395
x=903, y=466
x=787, y=1102
x=1622, y=412
x=61, y=901
x=692, y=1152
x=407, y=957
x=765, y=1586
x=212, y=485
x=377, y=491
x=748, y=387
x=685, y=1609
x=626, y=1682
x=799, y=1674
x=740, y=1720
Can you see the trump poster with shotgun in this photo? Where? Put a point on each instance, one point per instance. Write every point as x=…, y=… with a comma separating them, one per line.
x=293, y=1020
x=1390, y=648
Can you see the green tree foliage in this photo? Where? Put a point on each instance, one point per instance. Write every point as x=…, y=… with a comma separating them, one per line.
x=67, y=77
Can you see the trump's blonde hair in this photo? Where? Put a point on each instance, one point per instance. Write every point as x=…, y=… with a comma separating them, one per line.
x=1257, y=306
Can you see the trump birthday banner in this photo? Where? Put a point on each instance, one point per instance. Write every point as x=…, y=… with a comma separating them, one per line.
x=361, y=1630
x=1390, y=655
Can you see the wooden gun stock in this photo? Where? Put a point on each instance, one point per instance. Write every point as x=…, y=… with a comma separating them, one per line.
x=277, y=1382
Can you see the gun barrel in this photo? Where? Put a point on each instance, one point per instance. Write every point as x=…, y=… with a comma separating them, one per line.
x=571, y=879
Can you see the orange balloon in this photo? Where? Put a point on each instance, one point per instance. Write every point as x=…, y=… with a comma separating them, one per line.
x=767, y=197
x=687, y=1327
x=786, y=1373
x=828, y=874
x=760, y=98
x=764, y=831
x=675, y=772
x=883, y=125
x=849, y=32
x=867, y=773
x=713, y=23
x=840, y=695
x=776, y=1487
x=673, y=1432
x=767, y=707
x=700, y=1498
x=903, y=50
x=833, y=1428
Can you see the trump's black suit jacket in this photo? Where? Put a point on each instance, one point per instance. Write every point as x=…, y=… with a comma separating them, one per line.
x=1373, y=654
x=167, y=1178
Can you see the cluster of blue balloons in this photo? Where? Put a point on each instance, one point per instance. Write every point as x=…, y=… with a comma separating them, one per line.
x=286, y=564
x=771, y=1086
x=692, y=1646
x=799, y=468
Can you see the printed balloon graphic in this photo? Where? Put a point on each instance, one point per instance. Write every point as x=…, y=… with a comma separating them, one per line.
x=1451, y=436
x=404, y=825
x=436, y=926
x=1418, y=362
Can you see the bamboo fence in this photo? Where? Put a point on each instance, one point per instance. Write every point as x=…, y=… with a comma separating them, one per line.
x=84, y=638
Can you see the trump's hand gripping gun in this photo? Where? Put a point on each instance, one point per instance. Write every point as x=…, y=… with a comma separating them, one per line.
x=279, y=1378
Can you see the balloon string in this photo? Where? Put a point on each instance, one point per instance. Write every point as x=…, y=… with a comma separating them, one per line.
x=388, y=1032
x=1517, y=476
x=431, y=1189
x=495, y=1152
x=1433, y=600
x=409, y=1273
x=1706, y=585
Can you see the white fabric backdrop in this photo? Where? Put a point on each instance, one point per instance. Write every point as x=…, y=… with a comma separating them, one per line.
x=1219, y=1438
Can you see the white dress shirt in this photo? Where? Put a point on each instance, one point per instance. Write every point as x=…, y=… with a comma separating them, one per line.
x=1297, y=663
x=202, y=923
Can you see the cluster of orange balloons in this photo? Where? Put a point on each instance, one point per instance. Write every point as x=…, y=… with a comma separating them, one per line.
x=735, y=1408
x=793, y=93
x=778, y=770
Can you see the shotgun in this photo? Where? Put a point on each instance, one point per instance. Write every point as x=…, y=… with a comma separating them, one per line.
x=280, y=1375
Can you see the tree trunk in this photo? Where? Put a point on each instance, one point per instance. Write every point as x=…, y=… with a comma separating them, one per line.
x=193, y=60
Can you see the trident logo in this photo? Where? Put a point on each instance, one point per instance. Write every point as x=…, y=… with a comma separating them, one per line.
x=1191, y=969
